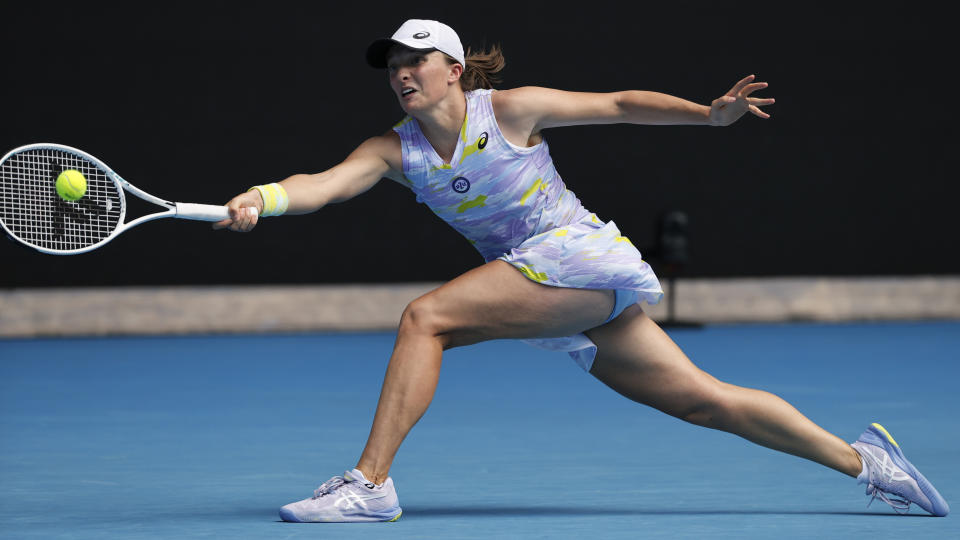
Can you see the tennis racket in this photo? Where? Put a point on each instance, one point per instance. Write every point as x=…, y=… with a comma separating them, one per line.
x=32, y=212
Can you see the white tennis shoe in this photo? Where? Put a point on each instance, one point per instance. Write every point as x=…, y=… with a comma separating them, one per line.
x=890, y=477
x=347, y=498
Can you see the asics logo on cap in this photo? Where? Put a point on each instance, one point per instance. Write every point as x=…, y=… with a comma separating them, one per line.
x=418, y=34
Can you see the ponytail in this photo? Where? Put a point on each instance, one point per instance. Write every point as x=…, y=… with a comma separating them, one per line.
x=481, y=68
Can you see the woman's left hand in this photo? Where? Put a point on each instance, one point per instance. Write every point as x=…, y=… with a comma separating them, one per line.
x=729, y=107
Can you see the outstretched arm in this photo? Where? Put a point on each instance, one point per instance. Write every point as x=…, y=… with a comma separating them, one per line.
x=534, y=108
x=376, y=158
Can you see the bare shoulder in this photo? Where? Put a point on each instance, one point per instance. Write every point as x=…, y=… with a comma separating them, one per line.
x=517, y=102
x=540, y=108
x=518, y=112
x=386, y=147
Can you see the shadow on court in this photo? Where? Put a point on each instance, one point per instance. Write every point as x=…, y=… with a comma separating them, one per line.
x=414, y=512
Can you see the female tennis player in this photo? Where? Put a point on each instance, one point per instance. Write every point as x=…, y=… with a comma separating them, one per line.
x=555, y=273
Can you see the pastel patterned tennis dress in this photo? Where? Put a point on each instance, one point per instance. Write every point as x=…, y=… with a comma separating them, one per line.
x=510, y=203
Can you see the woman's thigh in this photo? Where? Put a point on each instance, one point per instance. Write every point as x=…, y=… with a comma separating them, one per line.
x=637, y=359
x=495, y=301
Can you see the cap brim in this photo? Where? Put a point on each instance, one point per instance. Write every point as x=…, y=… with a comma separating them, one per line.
x=377, y=51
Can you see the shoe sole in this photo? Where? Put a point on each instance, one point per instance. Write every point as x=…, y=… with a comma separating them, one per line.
x=877, y=435
x=290, y=517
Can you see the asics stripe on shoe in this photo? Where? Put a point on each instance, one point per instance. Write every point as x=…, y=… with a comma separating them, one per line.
x=347, y=498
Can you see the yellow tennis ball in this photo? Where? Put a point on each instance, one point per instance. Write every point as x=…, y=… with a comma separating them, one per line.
x=71, y=185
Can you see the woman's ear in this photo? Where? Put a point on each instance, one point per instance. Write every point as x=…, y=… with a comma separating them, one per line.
x=456, y=70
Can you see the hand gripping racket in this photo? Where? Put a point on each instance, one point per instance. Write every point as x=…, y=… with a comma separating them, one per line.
x=32, y=212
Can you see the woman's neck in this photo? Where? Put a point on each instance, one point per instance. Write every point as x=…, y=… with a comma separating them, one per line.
x=441, y=124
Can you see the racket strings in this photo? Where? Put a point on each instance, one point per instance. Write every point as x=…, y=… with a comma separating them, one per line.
x=31, y=210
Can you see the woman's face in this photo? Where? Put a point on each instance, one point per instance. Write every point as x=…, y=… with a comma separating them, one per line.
x=419, y=79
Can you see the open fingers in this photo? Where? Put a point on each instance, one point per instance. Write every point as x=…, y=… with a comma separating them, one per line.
x=737, y=88
x=754, y=104
x=751, y=88
x=756, y=111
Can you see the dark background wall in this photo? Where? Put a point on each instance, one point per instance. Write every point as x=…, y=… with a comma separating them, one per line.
x=855, y=174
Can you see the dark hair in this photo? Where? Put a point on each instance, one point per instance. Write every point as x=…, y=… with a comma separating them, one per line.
x=481, y=68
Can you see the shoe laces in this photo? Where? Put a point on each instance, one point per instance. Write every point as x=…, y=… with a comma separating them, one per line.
x=900, y=506
x=329, y=486
x=882, y=472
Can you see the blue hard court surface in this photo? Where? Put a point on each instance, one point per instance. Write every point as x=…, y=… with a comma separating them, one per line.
x=205, y=437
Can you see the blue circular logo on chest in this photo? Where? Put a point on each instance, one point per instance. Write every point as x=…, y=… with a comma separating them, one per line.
x=460, y=184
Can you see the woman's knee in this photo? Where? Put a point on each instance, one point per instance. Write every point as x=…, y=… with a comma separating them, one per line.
x=420, y=317
x=708, y=407
x=424, y=317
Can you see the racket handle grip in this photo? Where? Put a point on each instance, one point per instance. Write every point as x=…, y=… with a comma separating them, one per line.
x=204, y=212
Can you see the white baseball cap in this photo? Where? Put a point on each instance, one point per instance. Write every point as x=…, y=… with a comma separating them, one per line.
x=421, y=35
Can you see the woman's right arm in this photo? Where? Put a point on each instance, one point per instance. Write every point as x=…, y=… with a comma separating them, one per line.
x=376, y=158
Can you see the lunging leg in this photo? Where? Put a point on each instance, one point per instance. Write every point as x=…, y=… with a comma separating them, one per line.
x=637, y=359
x=494, y=301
